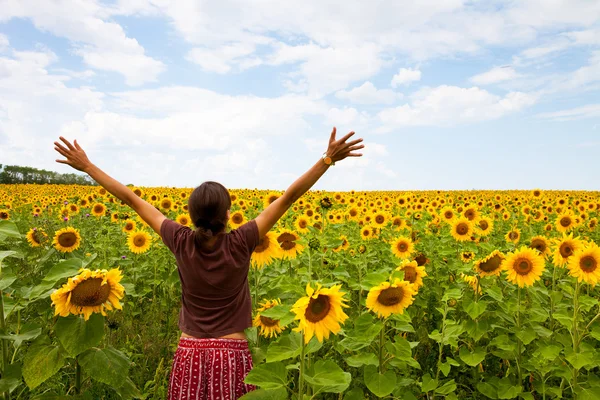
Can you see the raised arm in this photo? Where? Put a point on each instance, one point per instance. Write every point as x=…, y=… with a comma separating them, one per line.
x=337, y=150
x=76, y=158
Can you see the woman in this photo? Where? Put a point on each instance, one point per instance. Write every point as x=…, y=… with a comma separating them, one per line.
x=212, y=358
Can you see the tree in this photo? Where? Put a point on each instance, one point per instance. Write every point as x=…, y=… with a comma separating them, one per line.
x=18, y=174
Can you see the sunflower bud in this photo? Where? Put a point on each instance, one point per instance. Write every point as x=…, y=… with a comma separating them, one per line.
x=326, y=202
x=314, y=243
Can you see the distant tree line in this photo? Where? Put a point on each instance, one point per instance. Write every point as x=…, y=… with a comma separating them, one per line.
x=18, y=174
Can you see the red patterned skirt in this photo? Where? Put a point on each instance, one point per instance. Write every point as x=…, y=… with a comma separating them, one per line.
x=210, y=369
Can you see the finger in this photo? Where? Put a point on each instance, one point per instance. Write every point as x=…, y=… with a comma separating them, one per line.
x=63, y=162
x=352, y=148
x=62, y=152
x=332, y=137
x=60, y=146
x=354, y=155
x=343, y=140
x=352, y=143
x=69, y=145
x=77, y=144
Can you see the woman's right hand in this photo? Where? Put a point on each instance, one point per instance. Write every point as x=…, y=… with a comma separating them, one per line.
x=339, y=149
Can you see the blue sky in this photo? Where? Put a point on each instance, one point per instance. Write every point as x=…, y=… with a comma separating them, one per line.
x=446, y=94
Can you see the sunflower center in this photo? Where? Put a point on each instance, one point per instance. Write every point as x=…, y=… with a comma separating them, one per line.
x=565, y=250
x=272, y=199
x=263, y=244
x=391, y=296
x=402, y=246
x=379, y=219
x=128, y=226
x=237, y=218
x=317, y=308
x=491, y=265
x=539, y=245
x=67, y=239
x=483, y=224
x=286, y=241
x=98, y=209
x=588, y=264
x=268, y=322
x=448, y=215
x=139, y=240
x=470, y=214
x=565, y=222
x=90, y=293
x=302, y=223
x=462, y=228
x=513, y=235
x=421, y=260
x=523, y=266
x=410, y=274
x=35, y=237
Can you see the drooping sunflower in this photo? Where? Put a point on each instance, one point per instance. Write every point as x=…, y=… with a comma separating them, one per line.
x=461, y=229
x=564, y=248
x=540, y=243
x=129, y=226
x=98, y=210
x=344, y=246
x=473, y=281
x=413, y=273
x=320, y=312
x=585, y=264
x=524, y=266
x=390, y=298
x=565, y=221
x=67, y=240
x=139, y=241
x=402, y=247
x=237, y=219
x=288, y=242
x=89, y=292
x=266, y=250
x=268, y=327
x=513, y=236
x=490, y=265
x=35, y=237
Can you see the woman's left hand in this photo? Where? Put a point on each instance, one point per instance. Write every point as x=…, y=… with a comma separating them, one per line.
x=74, y=154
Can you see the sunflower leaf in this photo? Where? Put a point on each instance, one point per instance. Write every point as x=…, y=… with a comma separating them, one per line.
x=328, y=377
x=41, y=362
x=9, y=229
x=474, y=358
x=262, y=394
x=63, y=269
x=106, y=365
x=268, y=376
x=379, y=384
x=77, y=335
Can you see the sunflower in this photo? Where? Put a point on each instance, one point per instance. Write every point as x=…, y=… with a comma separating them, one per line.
x=266, y=250
x=288, y=242
x=540, y=243
x=472, y=214
x=513, y=235
x=467, y=256
x=268, y=327
x=139, y=241
x=270, y=198
x=35, y=236
x=67, y=240
x=565, y=221
x=4, y=214
x=564, y=249
x=585, y=264
x=448, y=214
x=129, y=226
x=490, y=265
x=402, y=247
x=413, y=273
x=237, y=219
x=320, y=313
x=462, y=229
x=301, y=224
x=89, y=292
x=166, y=203
x=98, y=210
x=473, y=281
x=390, y=298
x=380, y=218
x=484, y=226
x=343, y=246
x=183, y=219
x=524, y=266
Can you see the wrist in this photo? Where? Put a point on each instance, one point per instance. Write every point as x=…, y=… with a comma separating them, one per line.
x=328, y=160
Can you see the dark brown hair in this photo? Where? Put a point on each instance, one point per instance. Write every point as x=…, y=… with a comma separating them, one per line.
x=208, y=205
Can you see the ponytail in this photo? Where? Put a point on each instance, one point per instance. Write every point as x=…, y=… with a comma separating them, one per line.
x=208, y=205
x=205, y=230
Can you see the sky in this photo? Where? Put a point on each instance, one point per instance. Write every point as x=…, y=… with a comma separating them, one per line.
x=446, y=94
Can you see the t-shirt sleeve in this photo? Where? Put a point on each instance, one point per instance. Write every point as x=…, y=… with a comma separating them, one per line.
x=249, y=234
x=173, y=234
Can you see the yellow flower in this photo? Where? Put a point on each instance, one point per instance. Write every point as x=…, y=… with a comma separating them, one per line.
x=139, y=242
x=485, y=226
x=268, y=327
x=343, y=246
x=584, y=264
x=237, y=219
x=565, y=248
x=540, y=243
x=565, y=221
x=413, y=273
x=89, y=292
x=473, y=281
x=513, y=235
x=35, y=236
x=320, y=313
x=461, y=229
x=390, y=298
x=98, y=210
x=524, y=266
x=491, y=265
x=67, y=240
x=129, y=226
x=266, y=250
x=287, y=240
x=402, y=247
x=301, y=224
x=183, y=219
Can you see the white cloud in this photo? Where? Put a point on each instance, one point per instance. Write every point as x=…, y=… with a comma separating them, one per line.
x=3, y=42
x=102, y=45
x=496, y=74
x=367, y=93
x=406, y=76
x=587, y=111
x=585, y=37
x=451, y=105
x=223, y=58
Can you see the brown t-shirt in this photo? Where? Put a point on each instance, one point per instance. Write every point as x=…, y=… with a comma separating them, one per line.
x=215, y=298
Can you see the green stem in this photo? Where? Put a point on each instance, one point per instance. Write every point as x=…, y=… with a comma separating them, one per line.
x=77, y=377
x=301, y=375
x=575, y=334
x=519, y=344
x=552, y=300
x=441, y=345
x=381, y=346
x=309, y=265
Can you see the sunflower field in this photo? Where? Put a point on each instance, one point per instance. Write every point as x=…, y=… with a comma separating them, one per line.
x=356, y=295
